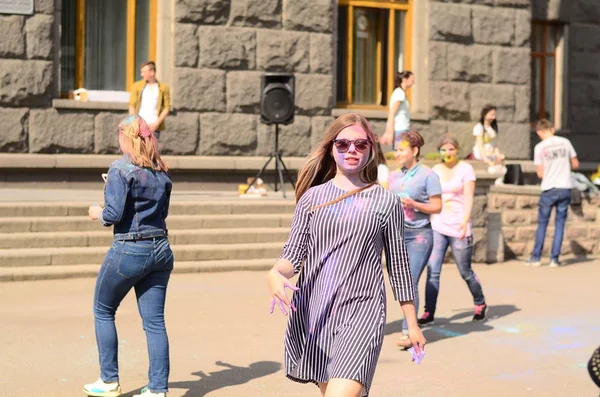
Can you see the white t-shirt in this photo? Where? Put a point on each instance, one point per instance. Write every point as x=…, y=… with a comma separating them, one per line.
x=489, y=141
x=383, y=174
x=402, y=117
x=555, y=154
x=149, y=106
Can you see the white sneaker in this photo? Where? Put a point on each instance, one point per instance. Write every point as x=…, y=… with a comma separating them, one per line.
x=102, y=389
x=554, y=263
x=147, y=393
x=533, y=263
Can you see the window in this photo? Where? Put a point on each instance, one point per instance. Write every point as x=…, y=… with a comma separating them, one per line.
x=103, y=42
x=372, y=46
x=546, y=39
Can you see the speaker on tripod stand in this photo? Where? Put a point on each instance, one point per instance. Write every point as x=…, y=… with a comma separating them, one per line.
x=276, y=107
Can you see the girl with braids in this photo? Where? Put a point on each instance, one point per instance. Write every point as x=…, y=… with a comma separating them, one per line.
x=343, y=221
x=420, y=191
x=136, y=199
x=398, y=120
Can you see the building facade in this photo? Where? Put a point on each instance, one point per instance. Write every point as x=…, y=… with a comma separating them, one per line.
x=530, y=58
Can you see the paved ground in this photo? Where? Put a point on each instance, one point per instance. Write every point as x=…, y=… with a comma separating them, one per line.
x=543, y=328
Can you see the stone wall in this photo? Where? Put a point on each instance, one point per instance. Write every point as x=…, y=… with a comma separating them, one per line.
x=479, y=53
x=519, y=219
x=28, y=71
x=221, y=50
x=584, y=93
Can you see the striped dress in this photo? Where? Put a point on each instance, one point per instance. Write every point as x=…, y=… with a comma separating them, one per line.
x=337, y=330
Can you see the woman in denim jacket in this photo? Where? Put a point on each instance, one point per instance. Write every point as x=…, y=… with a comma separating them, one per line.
x=136, y=199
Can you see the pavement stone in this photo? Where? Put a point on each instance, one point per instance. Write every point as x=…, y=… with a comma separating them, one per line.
x=542, y=329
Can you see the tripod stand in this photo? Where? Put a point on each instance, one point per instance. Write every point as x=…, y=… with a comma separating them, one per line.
x=279, y=166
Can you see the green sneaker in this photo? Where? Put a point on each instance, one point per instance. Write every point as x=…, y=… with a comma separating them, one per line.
x=102, y=389
x=145, y=392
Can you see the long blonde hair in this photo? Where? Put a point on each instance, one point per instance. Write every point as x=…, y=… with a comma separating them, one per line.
x=321, y=167
x=140, y=144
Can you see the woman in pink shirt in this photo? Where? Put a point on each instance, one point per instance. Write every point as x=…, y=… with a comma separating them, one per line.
x=452, y=227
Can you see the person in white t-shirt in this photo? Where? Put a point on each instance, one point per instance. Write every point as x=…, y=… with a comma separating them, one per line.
x=486, y=146
x=383, y=172
x=150, y=99
x=554, y=158
x=398, y=120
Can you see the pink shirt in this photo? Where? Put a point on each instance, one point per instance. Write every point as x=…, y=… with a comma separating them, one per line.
x=453, y=198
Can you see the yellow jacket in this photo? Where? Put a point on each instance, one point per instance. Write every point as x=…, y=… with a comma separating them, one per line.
x=164, y=98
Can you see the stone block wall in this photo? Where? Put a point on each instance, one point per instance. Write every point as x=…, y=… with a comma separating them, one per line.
x=584, y=78
x=221, y=50
x=519, y=219
x=27, y=71
x=479, y=53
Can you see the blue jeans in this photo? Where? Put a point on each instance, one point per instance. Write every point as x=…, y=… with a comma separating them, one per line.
x=419, y=243
x=559, y=198
x=462, y=251
x=146, y=266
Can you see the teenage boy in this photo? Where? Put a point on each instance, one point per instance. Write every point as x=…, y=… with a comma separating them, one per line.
x=554, y=158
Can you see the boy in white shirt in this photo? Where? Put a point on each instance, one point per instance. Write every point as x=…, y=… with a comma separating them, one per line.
x=554, y=158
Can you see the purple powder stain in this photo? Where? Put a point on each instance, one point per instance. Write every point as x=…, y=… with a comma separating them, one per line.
x=446, y=332
x=563, y=330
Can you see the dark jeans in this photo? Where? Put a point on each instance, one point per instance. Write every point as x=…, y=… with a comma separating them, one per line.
x=419, y=243
x=559, y=198
x=146, y=266
x=462, y=250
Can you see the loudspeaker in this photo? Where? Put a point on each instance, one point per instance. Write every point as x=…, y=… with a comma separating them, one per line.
x=514, y=175
x=277, y=98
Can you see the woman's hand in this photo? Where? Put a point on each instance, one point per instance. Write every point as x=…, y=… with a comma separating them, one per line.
x=94, y=212
x=277, y=285
x=463, y=229
x=407, y=202
x=416, y=337
x=388, y=136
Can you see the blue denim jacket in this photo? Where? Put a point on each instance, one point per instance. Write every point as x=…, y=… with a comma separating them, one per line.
x=136, y=201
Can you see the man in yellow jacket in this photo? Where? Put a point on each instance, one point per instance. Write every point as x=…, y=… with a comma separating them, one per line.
x=150, y=99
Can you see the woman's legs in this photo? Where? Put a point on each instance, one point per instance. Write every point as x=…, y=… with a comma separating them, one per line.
x=151, y=294
x=462, y=250
x=339, y=387
x=434, y=270
x=419, y=244
x=111, y=288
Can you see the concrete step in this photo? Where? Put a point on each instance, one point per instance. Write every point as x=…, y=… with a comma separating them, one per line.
x=193, y=252
x=81, y=271
x=208, y=207
x=104, y=238
x=84, y=224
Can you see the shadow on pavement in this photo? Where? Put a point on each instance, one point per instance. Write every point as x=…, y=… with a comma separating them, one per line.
x=231, y=376
x=445, y=328
x=582, y=258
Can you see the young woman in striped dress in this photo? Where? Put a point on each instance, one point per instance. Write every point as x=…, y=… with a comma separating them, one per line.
x=343, y=221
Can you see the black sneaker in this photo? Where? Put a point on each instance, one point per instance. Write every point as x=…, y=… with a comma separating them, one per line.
x=426, y=319
x=480, y=312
